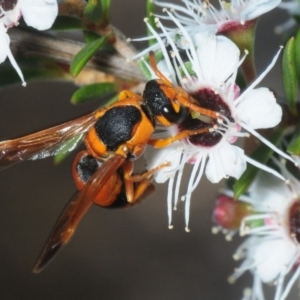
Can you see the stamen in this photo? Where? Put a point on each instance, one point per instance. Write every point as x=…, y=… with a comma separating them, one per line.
x=266, y=142
x=290, y=284
x=201, y=161
x=162, y=46
x=174, y=48
x=12, y=60
x=263, y=167
x=194, y=61
x=259, y=78
x=170, y=198
x=178, y=181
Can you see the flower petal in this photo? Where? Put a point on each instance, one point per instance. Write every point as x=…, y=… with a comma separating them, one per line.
x=218, y=58
x=256, y=8
x=272, y=257
x=256, y=105
x=225, y=161
x=39, y=14
x=4, y=42
x=156, y=157
x=276, y=196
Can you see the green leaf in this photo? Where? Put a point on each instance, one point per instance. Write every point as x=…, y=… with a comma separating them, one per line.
x=294, y=146
x=90, y=36
x=92, y=91
x=262, y=154
x=150, y=16
x=105, y=11
x=297, y=55
x=66, y=23
x=85, y=54
x=66, y=148
x=93, y=11
x=289, y=75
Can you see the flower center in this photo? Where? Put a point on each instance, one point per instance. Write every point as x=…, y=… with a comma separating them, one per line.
x=208, y=99
x=294, y=220
x=7, y=5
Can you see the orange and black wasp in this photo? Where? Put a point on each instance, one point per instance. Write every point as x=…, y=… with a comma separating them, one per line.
x=114, y=136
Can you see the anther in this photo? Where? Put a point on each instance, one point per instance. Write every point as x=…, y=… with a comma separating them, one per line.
x=236, y=257
x=231, y=280
x=187, y=229
x=214, y=230
x=228, y=237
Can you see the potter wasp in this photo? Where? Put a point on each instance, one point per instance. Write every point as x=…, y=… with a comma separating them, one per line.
x=114, y=136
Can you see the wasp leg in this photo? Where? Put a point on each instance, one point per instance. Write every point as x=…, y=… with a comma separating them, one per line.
x=144, y=180
x=161, y=143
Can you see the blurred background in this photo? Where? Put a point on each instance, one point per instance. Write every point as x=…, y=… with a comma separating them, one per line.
x=115, y=254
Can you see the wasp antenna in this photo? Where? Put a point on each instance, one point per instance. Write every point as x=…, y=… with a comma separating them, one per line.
x=158, y=73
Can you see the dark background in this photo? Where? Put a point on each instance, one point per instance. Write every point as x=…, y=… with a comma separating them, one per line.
x=120, y=254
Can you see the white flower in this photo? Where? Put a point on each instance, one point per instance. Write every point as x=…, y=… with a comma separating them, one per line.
x=272, y=250
x=39, y=14
x=209, y=75
x=201, y=16
x=239, y=11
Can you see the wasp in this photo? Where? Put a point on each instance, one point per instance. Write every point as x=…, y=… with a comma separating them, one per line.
x=114, y=136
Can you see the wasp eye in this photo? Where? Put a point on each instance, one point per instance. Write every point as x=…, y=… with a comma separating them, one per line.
x=172, y=116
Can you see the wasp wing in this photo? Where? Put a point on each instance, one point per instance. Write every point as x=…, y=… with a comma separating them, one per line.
x=75, y=210
x=43, y=143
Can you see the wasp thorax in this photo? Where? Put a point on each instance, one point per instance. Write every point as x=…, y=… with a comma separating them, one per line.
x=207, y=99
x=294, y=220
x=7, y=5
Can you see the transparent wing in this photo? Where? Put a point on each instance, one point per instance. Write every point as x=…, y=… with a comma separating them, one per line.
x=75, y=210
x=43, y=143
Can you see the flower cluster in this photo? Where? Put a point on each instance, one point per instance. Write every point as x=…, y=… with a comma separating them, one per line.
x=206, y=66
x=269, y=216
x=202, y=97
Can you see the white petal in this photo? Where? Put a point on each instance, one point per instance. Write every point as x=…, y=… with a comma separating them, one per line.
x=4, y=42
x=275, y=194
x=259, y=109
x=5, y=52
x=39, y=14
x=218, y=58
x=273, y=257
x=258, y=8
x=225, y=161
x=155, y=157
